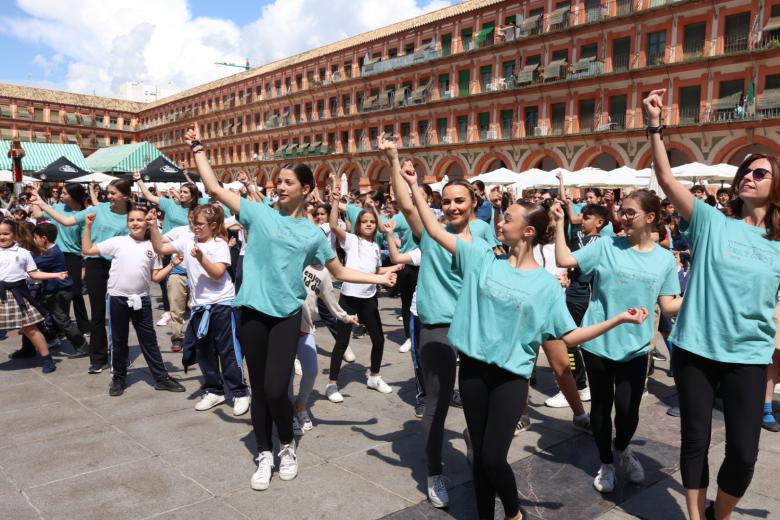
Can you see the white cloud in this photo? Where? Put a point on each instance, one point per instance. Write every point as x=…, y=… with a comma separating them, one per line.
x=106, y=43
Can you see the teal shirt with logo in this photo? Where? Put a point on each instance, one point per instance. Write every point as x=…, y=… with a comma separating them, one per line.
x=175, y=214
x=503, y=314
x=276, y=255
x=732, y=290
x=107, y=223
x=438, y=285
x=68, y=237
x=623, y=277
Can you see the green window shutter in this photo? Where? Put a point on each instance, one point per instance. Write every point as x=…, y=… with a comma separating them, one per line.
x=486, y=34
x=511, y=20
x=464, y=78
x=441, y=125
x=484, y=120
x=446, y=45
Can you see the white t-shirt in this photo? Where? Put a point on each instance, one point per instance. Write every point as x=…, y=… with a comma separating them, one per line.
x=177, y=233
x=131, y=266
x=363, y=256
x=545, y=256
x=232, y=221
x=15, y=263
x=328, y=233
x=415, y=256
x=203, y=288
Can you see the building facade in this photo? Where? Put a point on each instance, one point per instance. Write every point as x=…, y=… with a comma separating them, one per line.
x=476, y=86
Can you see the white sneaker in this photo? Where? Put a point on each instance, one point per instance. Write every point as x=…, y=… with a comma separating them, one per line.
x=262, y=477
x=298, y=369
x=406, y=347
x=349, y=356
x=164, y=320
x=777, y=388
x=288, y=463
x=605, y=479
x=209, y=401
x=297, y=431
x=378, y=384
x=333, y=394
x=584, y=394
x=437, y=491
x=240, y=405
x=557, y=401
x=304, y=421
x=631, y=466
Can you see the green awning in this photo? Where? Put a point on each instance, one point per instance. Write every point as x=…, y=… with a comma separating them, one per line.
x=126, y=158
x=486, y=31
x=39, y=155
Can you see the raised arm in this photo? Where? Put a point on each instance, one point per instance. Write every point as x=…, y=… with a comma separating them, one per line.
x=87, y=247
x=429, y=220
x=402, y=196
x=583, y=334
x=148, y=195
x=223, y=195
x=92, y=195
x=53, y=213
x=563, y=256
x=396, y=256
x=160, y=246
x=681, y=198
x=333, y=218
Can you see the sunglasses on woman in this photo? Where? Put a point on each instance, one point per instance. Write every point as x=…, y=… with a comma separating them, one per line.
x=758, y=173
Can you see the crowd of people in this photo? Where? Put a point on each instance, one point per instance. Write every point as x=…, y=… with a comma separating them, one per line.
x=486, y=279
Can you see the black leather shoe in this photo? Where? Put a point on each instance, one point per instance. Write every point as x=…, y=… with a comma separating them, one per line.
x=169, y=385
x=117, y=387
x=80, y=353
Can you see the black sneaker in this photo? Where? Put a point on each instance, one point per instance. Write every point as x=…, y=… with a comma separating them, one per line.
x=22, y=353
x=80, y=352
x=673, y=411
x=117, y=387
x=658, y=356
x=170, y=385
x=419, y=410
x=709, y=513
x=96, y=368
x=48, y=365
x=455, y=399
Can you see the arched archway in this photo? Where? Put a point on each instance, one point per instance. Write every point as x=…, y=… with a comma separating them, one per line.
x=490, y=162
x=604, y=161
x=604, y=157
x=736, y=150
x=543, y=159
x=739, y=156
x=452, y=167
x=321, y=174
x=678, y=155
x=353, y=173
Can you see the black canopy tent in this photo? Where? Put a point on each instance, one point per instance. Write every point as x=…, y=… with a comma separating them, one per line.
x=60, y=170
x=159, y=170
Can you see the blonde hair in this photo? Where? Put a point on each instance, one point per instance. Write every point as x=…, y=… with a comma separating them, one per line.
x=213, y=215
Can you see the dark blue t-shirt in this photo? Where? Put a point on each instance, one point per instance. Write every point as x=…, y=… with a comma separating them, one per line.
x=53, y=261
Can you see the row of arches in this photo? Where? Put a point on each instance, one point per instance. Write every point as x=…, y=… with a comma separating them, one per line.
x=455, y=166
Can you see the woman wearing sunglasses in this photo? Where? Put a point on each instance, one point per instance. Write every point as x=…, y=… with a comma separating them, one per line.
x=724, y=335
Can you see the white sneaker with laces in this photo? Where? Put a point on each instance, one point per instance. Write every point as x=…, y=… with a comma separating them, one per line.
x=437, y=492
x=631, y=466
x=557, y=401
x=605, y=479
x=333, y=394
x=209, y=401
x=288, y=463
x=297, y=431
x=298, y=369
x=584, y=394
x=406, y=347
x=378, y=384
x=305, y=421
x=165, y=319
x=349, y=356
x=240, y=405
x=262, y=477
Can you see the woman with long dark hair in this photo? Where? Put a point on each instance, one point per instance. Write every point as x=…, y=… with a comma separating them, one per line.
x=724, y=334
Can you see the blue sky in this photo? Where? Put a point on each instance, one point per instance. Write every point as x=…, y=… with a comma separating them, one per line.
x=78, y=45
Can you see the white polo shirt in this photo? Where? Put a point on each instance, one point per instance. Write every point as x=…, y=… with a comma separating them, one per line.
x=203, y=288
x=131, y=266
x=15, y=263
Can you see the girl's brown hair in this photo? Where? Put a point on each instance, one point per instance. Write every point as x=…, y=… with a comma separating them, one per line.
x=213, y=215
x=650, y=203
x=145, y=211
x=772, y=218
x=25, y=237
x=358, y=224
x=123, y=187
x=536, y=217
x=466, y=184
x=194, y=195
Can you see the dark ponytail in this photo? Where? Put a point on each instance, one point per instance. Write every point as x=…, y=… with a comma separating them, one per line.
x=650, y=203
x=123, y=187
x=77, y=193
x=536, y=216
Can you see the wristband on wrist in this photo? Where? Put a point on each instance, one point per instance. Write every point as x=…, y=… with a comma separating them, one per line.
x=196, y=146
x=655, y=130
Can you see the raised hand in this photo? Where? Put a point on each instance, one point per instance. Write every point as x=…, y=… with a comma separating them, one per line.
x=556, y=212
x=192, y=134
x=388, y=146
x=387, y=227
x=90, y=219
x=409, y=174
x=335, y=195
x=654, y=106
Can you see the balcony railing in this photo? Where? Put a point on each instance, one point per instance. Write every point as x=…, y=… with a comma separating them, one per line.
x=620, y=62
x=655, y=58
x=624, y=7
x=587, y=67
x=693, y=50
x=690, y=115
x=617, y=121
x=557, y=127
x=737, y=42
x=586, y=124
x=424, y=55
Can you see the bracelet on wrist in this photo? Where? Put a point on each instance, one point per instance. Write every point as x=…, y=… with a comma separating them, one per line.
x=196, y=146
x=649, y=130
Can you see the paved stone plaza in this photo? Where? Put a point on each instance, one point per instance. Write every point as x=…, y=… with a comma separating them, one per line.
x=71, y=451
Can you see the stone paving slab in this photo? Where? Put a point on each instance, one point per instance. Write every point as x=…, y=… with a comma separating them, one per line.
x=68, y=450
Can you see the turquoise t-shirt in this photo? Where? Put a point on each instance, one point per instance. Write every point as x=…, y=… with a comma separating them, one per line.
x=503, y=314
x=623, y=277
x=279, y=250
x=68, y=237
x=732, y=290
x=107, y=223
x=404, y=233
x=438, y=285
x=207, y=200
x=175, y=214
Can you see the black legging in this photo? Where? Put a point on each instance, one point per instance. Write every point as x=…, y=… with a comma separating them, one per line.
x=96, y=279
x=269, y=345
x=437, y=361
x=73, y=263
x=406, y=284
x=742, y=389
x=577, y=310
x=493, y=399
x=367, y=310
x=621, y=383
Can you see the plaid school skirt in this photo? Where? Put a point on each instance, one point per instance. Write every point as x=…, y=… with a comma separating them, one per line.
x=12, y=316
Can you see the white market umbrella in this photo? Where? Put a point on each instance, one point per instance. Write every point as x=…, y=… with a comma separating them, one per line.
x=8, y=176
x=501, y=176
x=100, y=178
